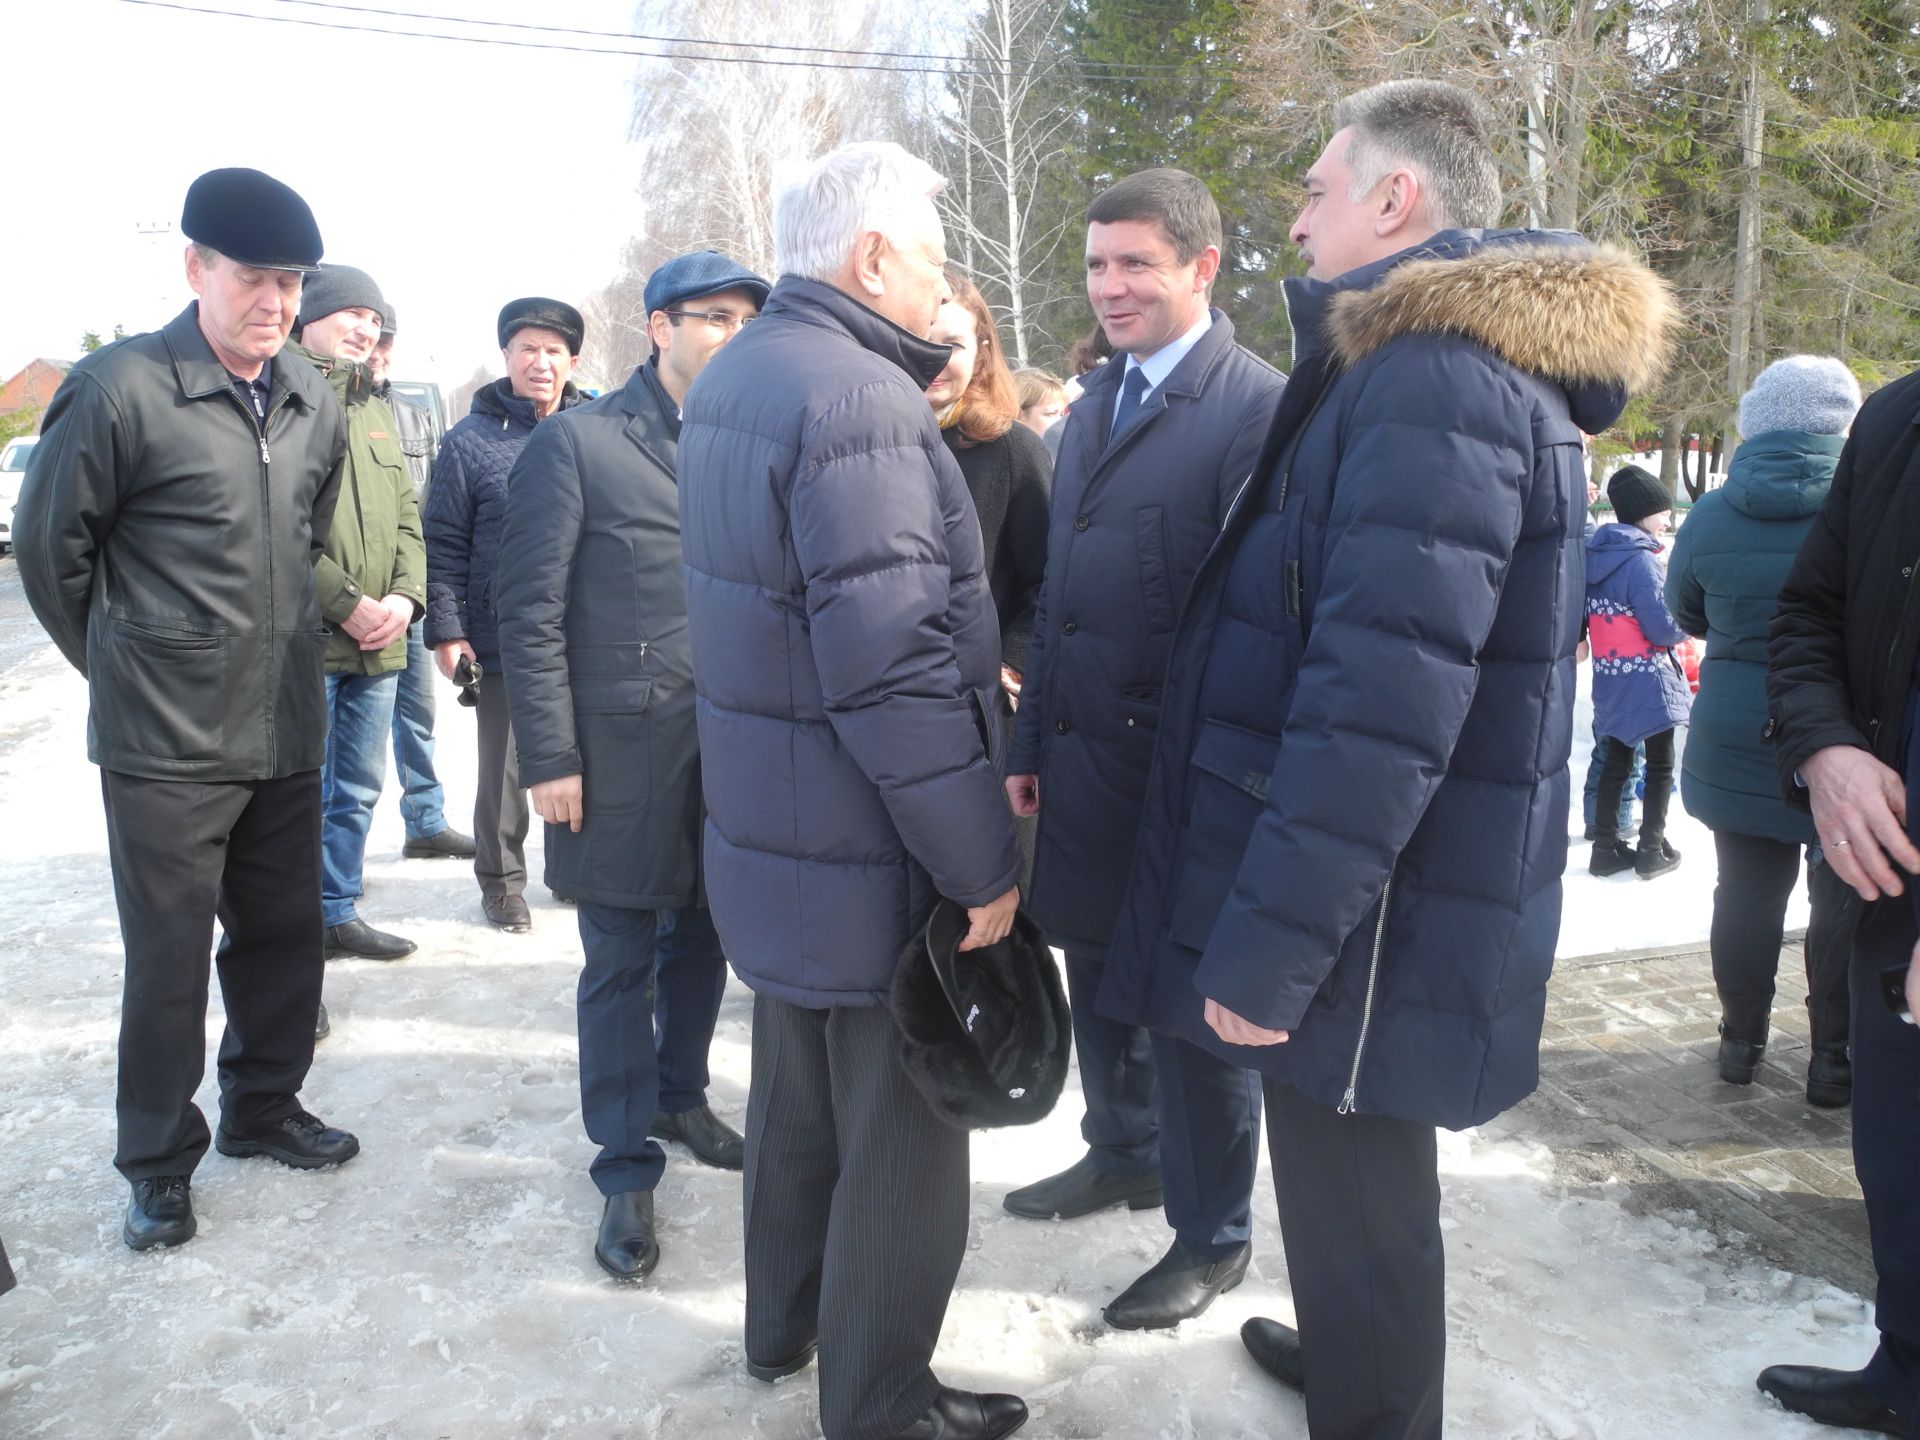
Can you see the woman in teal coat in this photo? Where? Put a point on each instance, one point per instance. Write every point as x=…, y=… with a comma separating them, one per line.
x=1729, y=561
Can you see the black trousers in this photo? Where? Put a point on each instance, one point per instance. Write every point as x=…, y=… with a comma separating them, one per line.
x=1756, y=879
x=1613, y=785
x=1359, y=1199
x=855, y=1214
x=184, y=852
x=501, y=814
x=1886, y=1152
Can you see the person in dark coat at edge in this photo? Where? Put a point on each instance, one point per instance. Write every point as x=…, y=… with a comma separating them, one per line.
x=1843, y=698
x=423, y=798
x=1640, y=693
x=1154, y=451
x=466, y=507
x=1008, y=472
x=593, y=633
x=846, y=661
x=1723, y=583
x=167, y=531
x=1349, y=865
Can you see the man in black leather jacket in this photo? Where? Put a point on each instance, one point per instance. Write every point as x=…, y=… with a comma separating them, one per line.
x=167, y=531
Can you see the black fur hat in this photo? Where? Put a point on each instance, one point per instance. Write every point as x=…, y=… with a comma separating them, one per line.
x=985, y=1035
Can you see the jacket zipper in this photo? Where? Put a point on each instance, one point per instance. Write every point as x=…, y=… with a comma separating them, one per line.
x=1366, y=1009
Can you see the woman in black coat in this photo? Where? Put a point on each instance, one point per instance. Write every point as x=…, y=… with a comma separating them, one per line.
x=1009, y=474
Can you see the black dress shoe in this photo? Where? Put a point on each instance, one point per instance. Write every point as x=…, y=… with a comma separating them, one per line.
x=306, y=1142
x=1833, y=1397
x=711, y=1139
x=449, y=844
x=1739, y=1059
x=1082, y=1188
x=1181, y=1286
x=508, y=912
x=626, y=1248
x=779, y=1369
x=1830, y=1079
x=361, y=941
x=1275, y=1349
x=964, y=1415
x=322, y=1027
x=159, y=1212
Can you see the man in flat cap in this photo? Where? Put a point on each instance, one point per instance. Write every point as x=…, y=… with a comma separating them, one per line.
x=593, y=630
x=372, y=582
x=167, y=532
x=540, y=342
x=423, y=799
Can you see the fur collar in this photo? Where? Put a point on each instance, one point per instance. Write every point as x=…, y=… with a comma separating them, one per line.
x=1593, y=316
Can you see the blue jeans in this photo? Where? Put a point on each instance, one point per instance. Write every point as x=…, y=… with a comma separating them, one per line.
x=359, y=715
x=1634, y=776
x=422, y=798
x=649, y=995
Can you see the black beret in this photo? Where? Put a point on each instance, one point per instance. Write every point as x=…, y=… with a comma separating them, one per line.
x=252, y=218
x=537, y=310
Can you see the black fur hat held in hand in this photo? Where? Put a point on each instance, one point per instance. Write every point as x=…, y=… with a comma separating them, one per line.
x=984, y=1034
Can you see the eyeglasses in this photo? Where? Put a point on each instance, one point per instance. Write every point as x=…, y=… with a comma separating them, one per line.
x=719, y=319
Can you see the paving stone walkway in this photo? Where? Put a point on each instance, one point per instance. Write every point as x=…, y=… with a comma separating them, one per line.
x=1630, y=1096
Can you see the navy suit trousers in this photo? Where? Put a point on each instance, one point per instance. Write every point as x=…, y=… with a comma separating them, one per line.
x=649, y=995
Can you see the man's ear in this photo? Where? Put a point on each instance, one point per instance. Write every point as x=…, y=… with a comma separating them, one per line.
x=1206, y=266
x=660, y=331
x=1401, y=201
x=868, y=252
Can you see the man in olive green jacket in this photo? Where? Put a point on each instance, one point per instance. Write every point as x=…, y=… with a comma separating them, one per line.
x=372, y=584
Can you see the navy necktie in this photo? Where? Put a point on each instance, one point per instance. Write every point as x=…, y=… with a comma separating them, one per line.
x=1131, y=390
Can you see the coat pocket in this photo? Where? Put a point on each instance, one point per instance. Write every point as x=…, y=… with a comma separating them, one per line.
x=1231, y=770
x=1156, y=568
x=165, y=693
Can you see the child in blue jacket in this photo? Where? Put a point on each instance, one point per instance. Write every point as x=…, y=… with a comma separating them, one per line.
x=1640, y=693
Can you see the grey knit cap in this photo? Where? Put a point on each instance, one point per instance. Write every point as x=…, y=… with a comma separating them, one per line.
x=339, y=287
x=1814, y=394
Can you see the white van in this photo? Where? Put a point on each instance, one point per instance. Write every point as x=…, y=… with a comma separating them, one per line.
x=13, y=468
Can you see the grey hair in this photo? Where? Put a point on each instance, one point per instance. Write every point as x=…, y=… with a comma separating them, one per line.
x=872, y=185
x=206, y=254
x=1436, y=130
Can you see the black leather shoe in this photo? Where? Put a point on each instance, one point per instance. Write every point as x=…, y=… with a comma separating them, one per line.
x=1739, y=1059
x=1275, y=1349
x=711, y=1139
x=159, y=1212
x=1179, y=1287
x=449, y=844
x=964, y=1415
x=1830, y=1079
x=626, y=1248
x=1081, y=1189
x=779, y=1369
x=360, y=941
x=507, y=912
x=306, y=1142
x=1610, y=857
x=322, y=1027
x=1833, y=1397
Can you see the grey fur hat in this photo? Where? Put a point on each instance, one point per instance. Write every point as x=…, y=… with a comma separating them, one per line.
x=1814, y=394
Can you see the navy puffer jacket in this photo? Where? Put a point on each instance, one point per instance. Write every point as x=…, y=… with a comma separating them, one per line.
x=1356, y=825
x=466, y=510
x=1131, y=523
x=846, y=656
x=1723, y=582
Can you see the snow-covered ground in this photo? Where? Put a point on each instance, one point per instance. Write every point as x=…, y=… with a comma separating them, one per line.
x=442, y=1284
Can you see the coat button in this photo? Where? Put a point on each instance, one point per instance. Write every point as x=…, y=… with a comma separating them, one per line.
x=1068, y=628
x=1061, y=727
x=1079, y=522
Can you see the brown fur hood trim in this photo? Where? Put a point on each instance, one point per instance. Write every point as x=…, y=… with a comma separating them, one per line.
x=1584, y=315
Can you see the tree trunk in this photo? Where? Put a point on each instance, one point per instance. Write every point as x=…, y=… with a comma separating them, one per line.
x=1673, y=435
x=1746, y=255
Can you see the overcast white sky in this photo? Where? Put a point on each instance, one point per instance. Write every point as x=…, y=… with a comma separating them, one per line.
x=458, y=175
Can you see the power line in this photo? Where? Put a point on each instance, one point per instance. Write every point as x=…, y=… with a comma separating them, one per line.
x=982, y=69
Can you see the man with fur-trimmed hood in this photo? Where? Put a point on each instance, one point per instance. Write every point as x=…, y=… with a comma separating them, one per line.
x=1348, y=875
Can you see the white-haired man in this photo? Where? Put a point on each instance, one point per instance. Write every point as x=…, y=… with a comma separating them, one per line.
x=845, y=658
